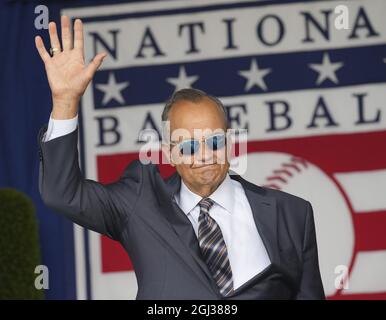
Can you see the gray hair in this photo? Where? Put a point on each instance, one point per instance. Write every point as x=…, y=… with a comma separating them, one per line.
x=192, y=95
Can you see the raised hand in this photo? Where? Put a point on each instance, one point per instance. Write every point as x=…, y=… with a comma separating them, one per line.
x=67, y=73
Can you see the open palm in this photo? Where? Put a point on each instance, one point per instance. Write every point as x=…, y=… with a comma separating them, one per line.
x=67, y=73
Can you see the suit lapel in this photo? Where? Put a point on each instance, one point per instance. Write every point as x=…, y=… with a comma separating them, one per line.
x=183, y=228
x=264, y=210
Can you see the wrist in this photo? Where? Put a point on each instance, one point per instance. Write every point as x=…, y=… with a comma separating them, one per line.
x=63, y=109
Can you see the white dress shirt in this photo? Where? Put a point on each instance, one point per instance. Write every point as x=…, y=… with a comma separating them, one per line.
x=58, y=128
x=231, y=210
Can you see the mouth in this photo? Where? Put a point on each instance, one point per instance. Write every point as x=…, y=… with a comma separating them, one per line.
x=204, y=166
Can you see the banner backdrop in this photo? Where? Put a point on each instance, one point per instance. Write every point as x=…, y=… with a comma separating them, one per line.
x=305, y=78
x=309, y=89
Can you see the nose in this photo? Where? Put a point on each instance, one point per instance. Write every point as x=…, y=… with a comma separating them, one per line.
x=204, y=155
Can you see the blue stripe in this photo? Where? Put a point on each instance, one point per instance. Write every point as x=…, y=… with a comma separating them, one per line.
x=220, y=77
x=204, y=8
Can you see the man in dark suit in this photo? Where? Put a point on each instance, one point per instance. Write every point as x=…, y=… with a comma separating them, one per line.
x=202, y=233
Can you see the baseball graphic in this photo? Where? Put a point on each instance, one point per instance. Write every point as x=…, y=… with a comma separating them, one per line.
x=334, y=227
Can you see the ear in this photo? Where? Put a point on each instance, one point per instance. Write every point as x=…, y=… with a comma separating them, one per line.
x=166, y=152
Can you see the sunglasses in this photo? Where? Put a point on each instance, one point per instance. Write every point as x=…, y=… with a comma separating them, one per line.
x=191, y=146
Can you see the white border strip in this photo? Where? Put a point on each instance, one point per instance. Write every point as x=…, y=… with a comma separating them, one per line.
x=368, y=275
x=366, y=189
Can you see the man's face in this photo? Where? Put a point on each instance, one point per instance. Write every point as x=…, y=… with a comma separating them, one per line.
x=199, y=121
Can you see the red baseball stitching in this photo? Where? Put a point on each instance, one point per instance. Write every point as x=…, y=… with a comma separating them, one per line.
x=285, y=172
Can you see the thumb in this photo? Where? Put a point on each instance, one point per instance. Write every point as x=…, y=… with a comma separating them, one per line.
x=95, y=64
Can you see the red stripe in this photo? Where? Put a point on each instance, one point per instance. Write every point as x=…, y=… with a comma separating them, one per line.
x=114, y=257
x=333, y=153
x=111, y=167
x=370, y=230
x=360, y=296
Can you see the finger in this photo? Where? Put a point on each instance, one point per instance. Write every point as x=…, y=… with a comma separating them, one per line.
x=94, y=64
x=66, y=33
x=78, y=35
x=41, y=49
x=54, y=39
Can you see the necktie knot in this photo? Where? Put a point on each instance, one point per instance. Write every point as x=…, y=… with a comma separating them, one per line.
x=206, y=204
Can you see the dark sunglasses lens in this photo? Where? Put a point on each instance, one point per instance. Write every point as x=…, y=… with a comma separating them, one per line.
x=188, y=148
x=216, y=142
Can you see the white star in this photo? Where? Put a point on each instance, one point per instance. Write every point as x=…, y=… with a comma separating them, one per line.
x=112, y=90
x=255, y=76
x=326, y=69
x=182, y=81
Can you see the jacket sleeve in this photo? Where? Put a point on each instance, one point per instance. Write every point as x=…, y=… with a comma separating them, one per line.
x=101, y=208
x=311, y=286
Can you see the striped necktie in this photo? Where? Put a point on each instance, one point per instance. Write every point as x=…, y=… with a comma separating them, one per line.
x=213, y=248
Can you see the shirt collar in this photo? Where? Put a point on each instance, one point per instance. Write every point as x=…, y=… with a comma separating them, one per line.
x=223, y=196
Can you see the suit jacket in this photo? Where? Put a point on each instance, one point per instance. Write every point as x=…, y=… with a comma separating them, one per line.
x=140, y=212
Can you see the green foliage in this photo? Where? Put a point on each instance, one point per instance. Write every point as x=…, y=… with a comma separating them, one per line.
x=19, y=247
